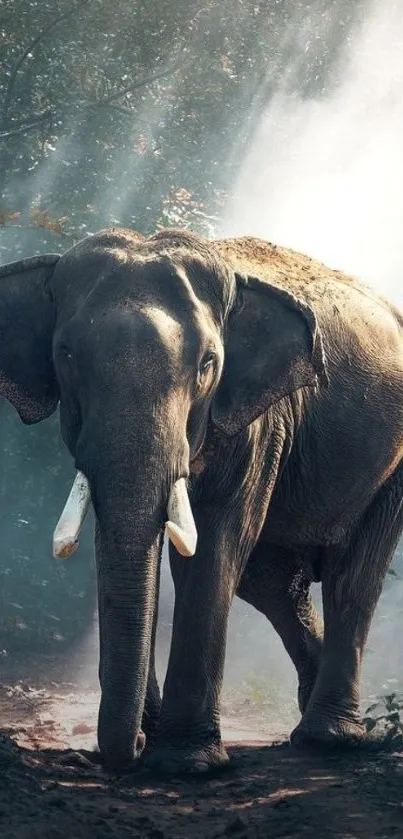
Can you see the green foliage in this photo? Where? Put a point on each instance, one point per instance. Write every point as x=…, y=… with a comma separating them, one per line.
x=388, y=724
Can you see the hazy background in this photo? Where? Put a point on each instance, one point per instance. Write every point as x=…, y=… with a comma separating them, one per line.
x=267, y=118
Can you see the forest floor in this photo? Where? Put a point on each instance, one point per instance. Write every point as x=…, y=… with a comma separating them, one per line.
x=50, y=786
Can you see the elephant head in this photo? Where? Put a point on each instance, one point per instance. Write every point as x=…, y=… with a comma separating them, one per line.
x=145, y=343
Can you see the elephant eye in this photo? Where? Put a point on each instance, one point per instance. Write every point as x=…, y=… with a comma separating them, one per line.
x=206, y=371
x=207, y=362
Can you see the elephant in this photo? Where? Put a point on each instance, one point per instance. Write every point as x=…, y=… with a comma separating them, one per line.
x=267, y=390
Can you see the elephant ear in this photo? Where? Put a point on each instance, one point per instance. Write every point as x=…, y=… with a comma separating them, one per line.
x=27, y=377
x=273, y=347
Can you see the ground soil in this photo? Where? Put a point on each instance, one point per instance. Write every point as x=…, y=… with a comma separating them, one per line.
x=50, y=786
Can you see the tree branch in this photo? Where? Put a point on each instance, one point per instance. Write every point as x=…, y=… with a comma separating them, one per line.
x=149, y=79
x=31, y=46
x=21, y=129
x=136, y=85
x=72, y=237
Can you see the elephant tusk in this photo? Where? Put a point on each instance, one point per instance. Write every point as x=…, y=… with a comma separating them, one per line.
x=180, y=526
x=65, y=537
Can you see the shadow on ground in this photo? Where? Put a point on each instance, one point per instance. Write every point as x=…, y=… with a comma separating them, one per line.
x=270, y=791
x=49, y=789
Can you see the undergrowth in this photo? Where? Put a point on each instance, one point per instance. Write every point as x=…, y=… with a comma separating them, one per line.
x=383, y=719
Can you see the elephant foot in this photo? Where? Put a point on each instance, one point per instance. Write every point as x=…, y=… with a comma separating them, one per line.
x=333, y=733
x=171, y=761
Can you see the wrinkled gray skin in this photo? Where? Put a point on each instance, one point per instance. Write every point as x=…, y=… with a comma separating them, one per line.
x=280, y=397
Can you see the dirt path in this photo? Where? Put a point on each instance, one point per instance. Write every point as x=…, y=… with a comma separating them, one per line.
x=49, y=790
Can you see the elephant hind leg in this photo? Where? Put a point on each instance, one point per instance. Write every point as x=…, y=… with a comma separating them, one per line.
x=352, y=581
x=275, y=585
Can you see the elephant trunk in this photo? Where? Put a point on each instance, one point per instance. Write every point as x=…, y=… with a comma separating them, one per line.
x=127, y=566
x=130, y=488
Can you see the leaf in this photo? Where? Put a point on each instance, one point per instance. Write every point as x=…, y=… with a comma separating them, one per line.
x=6, y=216
x=369, y=723
x=41, y=218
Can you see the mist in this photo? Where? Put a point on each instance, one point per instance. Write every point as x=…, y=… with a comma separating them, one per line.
x=325, y=175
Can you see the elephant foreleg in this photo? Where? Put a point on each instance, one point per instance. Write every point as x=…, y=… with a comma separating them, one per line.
x=189, y=736
x=274, y=584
